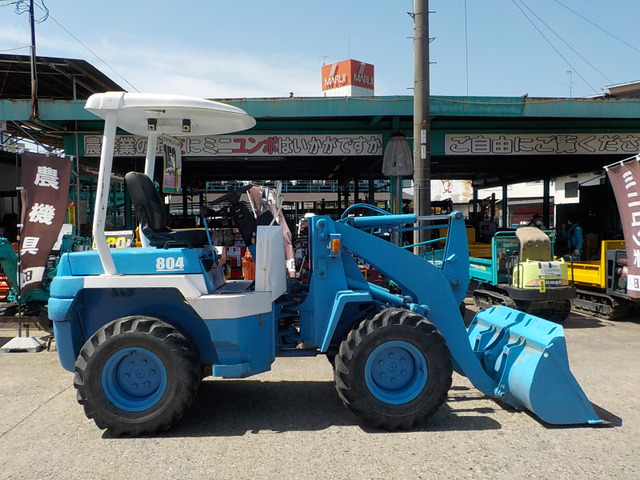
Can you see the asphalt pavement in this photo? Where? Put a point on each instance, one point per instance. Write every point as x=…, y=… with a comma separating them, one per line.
x=290, y=424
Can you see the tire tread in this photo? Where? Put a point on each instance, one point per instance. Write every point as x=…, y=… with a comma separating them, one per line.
x=105, y=415
x=384, y=324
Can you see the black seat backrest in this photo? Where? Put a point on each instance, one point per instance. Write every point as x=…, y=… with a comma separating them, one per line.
x=152, y=216
x=148, y=205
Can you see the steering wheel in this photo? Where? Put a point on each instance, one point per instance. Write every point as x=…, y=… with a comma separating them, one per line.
x=230, y=195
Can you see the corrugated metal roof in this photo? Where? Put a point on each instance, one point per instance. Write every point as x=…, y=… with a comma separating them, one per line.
x=625, y=90
x=58, y=78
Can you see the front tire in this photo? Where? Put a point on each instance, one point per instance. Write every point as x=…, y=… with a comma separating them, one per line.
x=137, y=376
x=394, y=370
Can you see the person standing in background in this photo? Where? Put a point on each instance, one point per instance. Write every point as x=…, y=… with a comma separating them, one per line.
x=536, y=221
x=572, y=233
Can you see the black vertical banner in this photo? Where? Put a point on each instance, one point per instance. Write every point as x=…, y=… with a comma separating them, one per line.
x=45, y=181
x=625, y=180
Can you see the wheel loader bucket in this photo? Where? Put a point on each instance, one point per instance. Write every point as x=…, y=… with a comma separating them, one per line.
x=527, y=357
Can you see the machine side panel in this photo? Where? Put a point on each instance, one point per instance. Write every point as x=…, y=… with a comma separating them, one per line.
x=76, y=320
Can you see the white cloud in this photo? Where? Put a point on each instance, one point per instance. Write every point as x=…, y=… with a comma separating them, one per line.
x=181, y=69
x=215, y=74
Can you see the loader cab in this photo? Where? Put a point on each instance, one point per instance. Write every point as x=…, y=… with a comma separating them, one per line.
x=152, y=116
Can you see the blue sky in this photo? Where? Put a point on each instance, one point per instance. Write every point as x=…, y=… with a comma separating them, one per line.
x=253, y=48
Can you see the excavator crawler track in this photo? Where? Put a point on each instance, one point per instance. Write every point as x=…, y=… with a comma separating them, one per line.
x=601, y=305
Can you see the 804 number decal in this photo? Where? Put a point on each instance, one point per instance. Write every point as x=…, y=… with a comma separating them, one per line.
x=169, y=264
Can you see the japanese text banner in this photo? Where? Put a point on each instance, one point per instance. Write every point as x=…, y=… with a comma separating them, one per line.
x=44, y=204
x=247, y=145
x=625, y=179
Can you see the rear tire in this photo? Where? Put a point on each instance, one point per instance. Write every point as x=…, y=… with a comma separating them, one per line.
x=393, y=370
x=137, y=376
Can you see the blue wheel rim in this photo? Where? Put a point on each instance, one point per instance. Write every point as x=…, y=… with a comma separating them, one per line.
x=396, y=372
x=134, y=379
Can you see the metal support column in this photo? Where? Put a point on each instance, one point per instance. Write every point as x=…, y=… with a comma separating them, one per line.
x=372, y=188
x=505, y=213
x=421, y=115
x=546, y=201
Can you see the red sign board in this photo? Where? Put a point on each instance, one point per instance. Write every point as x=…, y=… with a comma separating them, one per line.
x=347, y=72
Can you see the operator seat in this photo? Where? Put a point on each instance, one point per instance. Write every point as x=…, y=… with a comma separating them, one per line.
x=534, y=244
x=152, y=216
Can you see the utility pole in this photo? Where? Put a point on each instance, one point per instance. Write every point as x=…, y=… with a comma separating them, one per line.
x=35, y=113
x=421, y=115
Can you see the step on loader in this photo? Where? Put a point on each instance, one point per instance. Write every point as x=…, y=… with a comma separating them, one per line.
x=141, y=327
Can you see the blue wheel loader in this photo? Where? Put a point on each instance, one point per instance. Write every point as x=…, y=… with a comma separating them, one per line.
x=141, y=327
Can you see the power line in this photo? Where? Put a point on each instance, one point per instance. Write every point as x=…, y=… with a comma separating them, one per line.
x=22, y=6
x=91, y=51
x=14, y=49
x=598, y=27
x=552, y=45
x=567, y=44
x=94, y=54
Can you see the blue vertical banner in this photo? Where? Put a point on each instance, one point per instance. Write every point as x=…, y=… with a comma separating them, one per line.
x=625, y=180
x=45, y=181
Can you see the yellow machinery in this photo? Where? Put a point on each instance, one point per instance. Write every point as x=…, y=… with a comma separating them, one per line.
x=521, y=273
x=601, y=285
